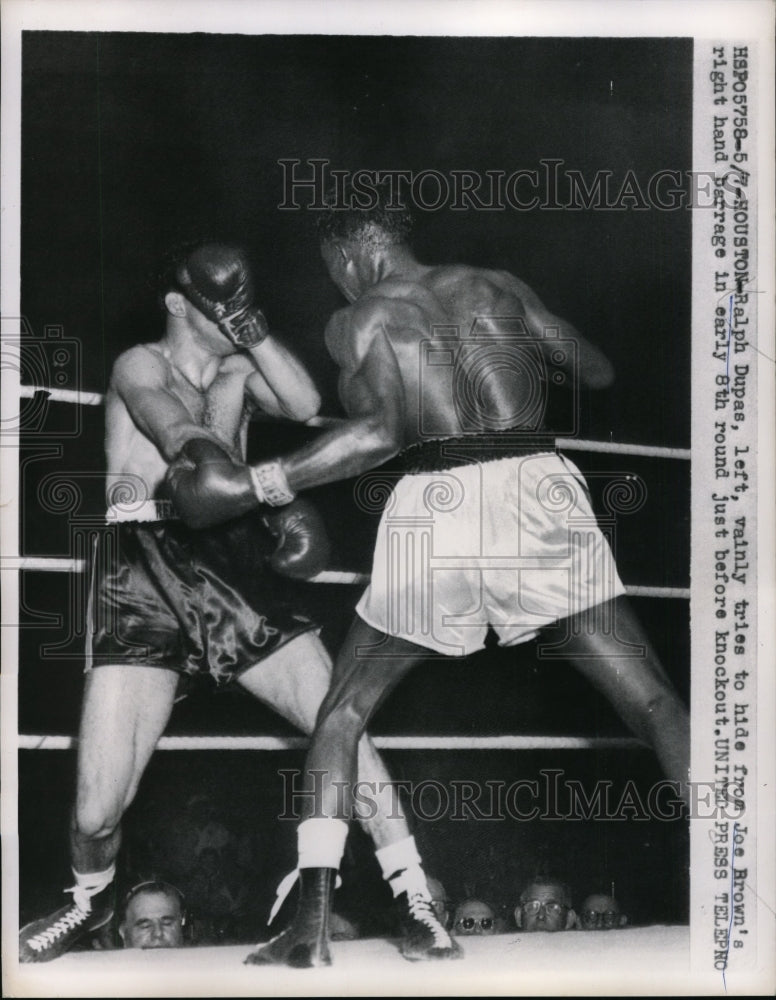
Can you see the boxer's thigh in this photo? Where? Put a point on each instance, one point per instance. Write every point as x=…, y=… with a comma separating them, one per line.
x=125, y=711
x=293, y=680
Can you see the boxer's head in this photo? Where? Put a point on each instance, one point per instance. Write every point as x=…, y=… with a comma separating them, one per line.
x=601, y=913
x=172, y=280
x=358, y=230
x=545, y=905
x=153, y=916
x=474, y=917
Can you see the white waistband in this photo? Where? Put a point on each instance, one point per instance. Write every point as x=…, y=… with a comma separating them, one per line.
x=144, y=510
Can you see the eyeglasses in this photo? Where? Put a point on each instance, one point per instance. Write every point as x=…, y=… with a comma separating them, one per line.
x=533, y=906
x=600, y=917
x=469, y=923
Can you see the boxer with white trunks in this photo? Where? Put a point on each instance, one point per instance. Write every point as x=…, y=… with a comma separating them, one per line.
x=183, y=579
x=447, y=368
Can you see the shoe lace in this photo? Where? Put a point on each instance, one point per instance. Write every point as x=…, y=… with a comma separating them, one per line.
x=67, y=922
x=421, y=909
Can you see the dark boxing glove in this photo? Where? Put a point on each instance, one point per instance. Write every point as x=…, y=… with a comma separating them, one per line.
x=303, y=548
x=207, y=487
x=216, y=278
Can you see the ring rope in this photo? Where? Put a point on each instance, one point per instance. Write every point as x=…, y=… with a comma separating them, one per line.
x=274, y=743
x=569, y=444
x=32, y=742
x=57, y=565
x=77, y=396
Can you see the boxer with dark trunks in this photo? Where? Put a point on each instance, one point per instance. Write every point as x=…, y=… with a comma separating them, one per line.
x=183, y=582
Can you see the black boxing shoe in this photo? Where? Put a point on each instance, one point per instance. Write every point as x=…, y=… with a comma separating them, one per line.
x=46, y=939
x=305, y=943
x=425, y=939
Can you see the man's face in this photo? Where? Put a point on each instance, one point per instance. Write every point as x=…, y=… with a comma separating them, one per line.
x=342, y=270
x=205, y=330
x=153, y=920
x=601, y=913
x=543, y=907
x=474, y=917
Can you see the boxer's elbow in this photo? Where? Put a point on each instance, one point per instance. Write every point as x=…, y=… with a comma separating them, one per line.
x=377, y=440
x=305, y=406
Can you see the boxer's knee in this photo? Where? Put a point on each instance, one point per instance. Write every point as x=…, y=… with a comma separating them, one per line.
x=660, y=711
x=101, y=801
x=95, y=817
x=343, y=720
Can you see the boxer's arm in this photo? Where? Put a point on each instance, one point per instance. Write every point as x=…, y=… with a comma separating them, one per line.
x=140, y=380
x=281, y=385
x=592, y=367
x=373, y=394
x=217, y=278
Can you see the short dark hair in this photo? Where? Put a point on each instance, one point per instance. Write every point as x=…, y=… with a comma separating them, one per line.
x=549, y=880
x=155, y=886
x=382, y=221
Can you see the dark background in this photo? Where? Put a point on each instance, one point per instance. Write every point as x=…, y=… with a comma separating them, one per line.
x=130, y=141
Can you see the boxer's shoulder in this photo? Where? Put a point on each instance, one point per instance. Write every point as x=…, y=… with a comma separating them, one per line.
x=237, y=365
x=141, y=363
x=352, y=330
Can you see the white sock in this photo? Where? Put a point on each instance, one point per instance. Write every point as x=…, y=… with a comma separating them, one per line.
x=88, y=884
x=412, y=881
x=321, y=842
x=400, y=864
x=396, y=857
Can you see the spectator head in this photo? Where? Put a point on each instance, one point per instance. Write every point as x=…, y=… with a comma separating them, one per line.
x=601, y=913
x=474, y=917
x=545, y=905
x=342, y=929
x=153, y=916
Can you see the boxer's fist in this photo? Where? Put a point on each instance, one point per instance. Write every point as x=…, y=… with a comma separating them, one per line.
x=216, y=278
x=207, y=487
x=303, y=547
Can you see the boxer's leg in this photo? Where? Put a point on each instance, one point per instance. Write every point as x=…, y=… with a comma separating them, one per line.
x=367, y=669
x=294, y=681
x=637, y=686
x=125, y=711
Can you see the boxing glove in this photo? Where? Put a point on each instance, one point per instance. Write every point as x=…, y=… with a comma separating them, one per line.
x=216, y=278
x=207, y=487
x=303, y=547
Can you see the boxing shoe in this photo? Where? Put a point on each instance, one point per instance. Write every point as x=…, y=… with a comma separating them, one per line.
x=425, y=939
x=46, y=939
x=305, y=943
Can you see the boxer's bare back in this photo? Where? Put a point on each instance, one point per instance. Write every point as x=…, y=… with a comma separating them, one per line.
x=426, y=317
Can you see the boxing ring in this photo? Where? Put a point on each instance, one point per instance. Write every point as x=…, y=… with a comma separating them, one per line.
x=633, y=961
x=630, y=960
x=337, y=577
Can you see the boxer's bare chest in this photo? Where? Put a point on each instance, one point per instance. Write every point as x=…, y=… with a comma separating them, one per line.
x=216, y=397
